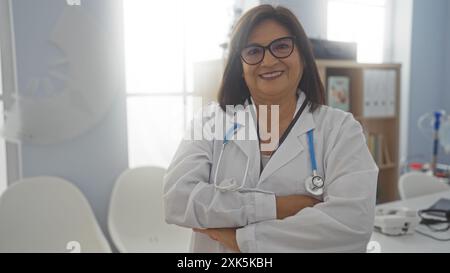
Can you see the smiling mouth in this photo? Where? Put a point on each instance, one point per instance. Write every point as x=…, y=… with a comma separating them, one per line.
x=271, y=75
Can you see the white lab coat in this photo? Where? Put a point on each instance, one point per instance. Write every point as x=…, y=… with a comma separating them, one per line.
x=343, y=222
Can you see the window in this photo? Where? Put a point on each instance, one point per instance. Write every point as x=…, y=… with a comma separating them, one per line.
x=360, y=21
x=3, y=179
x=163, y=41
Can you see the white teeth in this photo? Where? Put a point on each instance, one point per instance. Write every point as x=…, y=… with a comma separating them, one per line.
x=271, y=75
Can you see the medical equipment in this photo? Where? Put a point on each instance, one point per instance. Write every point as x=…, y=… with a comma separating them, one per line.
x=437, y=214
x=314, y=184
x=436, y=219
x=438, y=124
x=399, y=221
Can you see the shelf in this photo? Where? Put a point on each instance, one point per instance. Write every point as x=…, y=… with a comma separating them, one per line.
x=382, y=133
x=355, y=65
x=374, y=118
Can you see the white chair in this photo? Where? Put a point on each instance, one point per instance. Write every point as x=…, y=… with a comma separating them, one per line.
x=48, y=214
x=136, y=216
x=416, y=184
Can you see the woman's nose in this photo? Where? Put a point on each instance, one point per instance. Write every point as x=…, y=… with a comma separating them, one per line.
x=269, y=59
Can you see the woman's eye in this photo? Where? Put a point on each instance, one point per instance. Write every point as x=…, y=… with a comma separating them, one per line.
x=253, y=51
x=282, y=46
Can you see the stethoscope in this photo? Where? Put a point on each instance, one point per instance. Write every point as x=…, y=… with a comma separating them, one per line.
x=314, y=184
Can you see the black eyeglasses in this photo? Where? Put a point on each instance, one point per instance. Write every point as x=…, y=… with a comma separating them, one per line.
x=280, y=48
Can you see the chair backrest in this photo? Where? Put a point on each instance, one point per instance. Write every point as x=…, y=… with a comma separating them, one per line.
x=48, y=214
x=416, y=184
x=136, y=219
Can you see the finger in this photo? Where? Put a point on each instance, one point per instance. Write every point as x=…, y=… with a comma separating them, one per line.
x=206, y=231
x=200, y=230
x=210, y=232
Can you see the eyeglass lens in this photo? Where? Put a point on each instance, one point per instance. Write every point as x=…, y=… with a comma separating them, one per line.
x=280, y=48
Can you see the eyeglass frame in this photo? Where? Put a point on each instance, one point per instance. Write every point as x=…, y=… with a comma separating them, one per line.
x=292, y=38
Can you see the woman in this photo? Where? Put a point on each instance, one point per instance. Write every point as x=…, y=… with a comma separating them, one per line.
x=239, y=197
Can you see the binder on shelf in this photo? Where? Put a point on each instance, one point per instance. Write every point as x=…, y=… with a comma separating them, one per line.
x=379, y=93
x=391, y=96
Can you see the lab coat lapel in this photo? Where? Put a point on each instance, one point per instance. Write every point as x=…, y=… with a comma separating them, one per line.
x=291, y=147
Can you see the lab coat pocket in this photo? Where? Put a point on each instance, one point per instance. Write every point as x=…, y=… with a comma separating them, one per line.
x=289, y=179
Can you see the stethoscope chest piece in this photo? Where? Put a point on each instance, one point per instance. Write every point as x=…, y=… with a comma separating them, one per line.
x=314, y=185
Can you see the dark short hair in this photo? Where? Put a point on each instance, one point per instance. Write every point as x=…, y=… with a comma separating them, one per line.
x=233, y=89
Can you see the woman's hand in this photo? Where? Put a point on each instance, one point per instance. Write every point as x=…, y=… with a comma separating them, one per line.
x=225, y=236
x=292, y=204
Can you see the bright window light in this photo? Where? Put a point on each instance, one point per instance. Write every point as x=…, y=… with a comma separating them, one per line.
x=155, y=128
x=163, y=41
x=360, y=21
x=153, y=46
x=3, y=178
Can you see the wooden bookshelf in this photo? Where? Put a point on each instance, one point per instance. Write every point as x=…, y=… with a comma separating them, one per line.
x=386, y=127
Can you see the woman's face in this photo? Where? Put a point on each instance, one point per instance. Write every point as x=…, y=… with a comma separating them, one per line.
x=272, y=77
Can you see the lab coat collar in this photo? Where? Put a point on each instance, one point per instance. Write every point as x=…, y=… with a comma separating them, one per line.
x=293, y=144
x=291, y=147
x=306, y=121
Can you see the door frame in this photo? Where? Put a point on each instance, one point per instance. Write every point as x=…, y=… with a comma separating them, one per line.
x=9, y=77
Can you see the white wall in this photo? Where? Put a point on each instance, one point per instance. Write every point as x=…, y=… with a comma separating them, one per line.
x=93, y=160
x=401, y=53
x=446, y=91
x=429, y=59
x=3, y=178
x=311, y=13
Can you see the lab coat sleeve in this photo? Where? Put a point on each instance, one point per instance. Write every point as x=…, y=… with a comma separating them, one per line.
x=343, y=222
x=191, y=201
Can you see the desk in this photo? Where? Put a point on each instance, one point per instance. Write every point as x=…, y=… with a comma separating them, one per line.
x=415, y=242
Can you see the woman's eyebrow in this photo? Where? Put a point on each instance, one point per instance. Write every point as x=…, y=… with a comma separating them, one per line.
x=253, y=44
x=257, y=44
